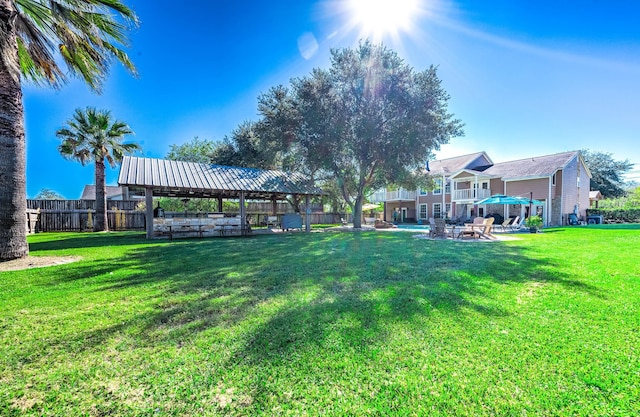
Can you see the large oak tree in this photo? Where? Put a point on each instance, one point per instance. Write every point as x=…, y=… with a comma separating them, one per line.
x=369, y=120
x=35, y=36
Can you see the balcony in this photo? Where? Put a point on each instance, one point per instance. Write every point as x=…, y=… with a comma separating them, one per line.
x=398, y=195
x=471, y=194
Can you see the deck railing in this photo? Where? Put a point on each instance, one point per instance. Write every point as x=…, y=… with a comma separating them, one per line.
x=383, y=195
x=471, y=194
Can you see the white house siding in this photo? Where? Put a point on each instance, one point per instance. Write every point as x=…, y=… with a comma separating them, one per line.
x=585, y=187
x=574, y=195
x=569, y=187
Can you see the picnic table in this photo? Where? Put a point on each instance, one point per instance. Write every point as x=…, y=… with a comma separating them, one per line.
x=185, y=229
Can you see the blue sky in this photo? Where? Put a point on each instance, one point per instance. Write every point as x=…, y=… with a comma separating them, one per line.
x=526, y=77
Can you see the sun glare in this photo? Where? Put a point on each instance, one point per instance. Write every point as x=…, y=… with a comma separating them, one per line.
x=376, y=19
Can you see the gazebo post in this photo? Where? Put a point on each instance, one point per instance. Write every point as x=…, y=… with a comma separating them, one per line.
x=148, y=200
x=307, y=209
x=243, y=220
x=219, y=204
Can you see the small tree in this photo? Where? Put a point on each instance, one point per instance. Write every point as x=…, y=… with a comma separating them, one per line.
x=48, y=194
x=197, y=150
x=91, y=135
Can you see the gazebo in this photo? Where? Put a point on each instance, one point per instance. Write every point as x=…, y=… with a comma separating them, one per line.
x=594, y=197
x=167, y=178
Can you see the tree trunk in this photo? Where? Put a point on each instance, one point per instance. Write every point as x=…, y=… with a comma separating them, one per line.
x=100, y=223
x=13, y=195
x=357, y=212
x=294, y=201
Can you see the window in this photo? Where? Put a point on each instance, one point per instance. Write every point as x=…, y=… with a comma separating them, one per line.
x=437, y=210
x=447, y=187
x=423, y=191
x=553, y=179
x=423, y=211
x=438, y=186
x=447, y=210
x=480, y=211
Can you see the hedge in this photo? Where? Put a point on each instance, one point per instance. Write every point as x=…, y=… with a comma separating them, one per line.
x=617, y=215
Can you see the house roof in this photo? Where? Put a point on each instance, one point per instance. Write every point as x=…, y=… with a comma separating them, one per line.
x=465, y=172
x=191, y=179
x=457, y=163
x=89, y=192
x=537, y=166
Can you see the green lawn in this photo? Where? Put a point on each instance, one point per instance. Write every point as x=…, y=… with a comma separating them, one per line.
x=325, y=324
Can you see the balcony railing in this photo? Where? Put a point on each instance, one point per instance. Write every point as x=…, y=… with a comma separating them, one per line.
x=471, y=194
x=382, y=196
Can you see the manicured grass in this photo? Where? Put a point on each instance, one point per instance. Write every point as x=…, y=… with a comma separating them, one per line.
x=325, y=324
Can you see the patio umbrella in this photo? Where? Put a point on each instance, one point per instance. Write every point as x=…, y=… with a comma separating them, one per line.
x=370, y=206
x=505, y=199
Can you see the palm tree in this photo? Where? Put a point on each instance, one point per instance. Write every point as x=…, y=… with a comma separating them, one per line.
x=91, y=135
x=34, y=36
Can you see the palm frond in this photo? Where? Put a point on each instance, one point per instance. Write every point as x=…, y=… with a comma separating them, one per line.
x=86, y=34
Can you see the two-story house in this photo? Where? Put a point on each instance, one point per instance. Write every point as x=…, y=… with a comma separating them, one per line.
x=559, y=181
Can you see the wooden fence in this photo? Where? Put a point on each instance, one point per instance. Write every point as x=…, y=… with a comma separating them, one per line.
x=79, y=215
x=71, y=205
x=262, y=207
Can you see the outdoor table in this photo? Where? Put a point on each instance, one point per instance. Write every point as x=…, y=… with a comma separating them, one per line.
x=185, y=228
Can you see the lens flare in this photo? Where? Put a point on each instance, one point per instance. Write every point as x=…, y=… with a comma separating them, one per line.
x=376, y=19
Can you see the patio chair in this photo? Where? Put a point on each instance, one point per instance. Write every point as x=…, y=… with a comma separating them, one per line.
x=478, y=229
x=441, y=229
x=516, y=224
x=271, y=221
x=432, y=227
x=507, y=222
x=488, y=226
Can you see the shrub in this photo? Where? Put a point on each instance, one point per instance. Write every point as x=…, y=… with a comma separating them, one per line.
x=617, y=215
x=533, y=221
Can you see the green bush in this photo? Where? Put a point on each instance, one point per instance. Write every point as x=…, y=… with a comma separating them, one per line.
x=533, y=221
x=617, y=215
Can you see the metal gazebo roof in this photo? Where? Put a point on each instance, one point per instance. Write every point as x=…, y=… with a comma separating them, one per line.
x=169, y=178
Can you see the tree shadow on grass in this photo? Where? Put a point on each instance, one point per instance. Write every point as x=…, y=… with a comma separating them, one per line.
x=382, y=286
x=302, y=289
x=86, y=240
